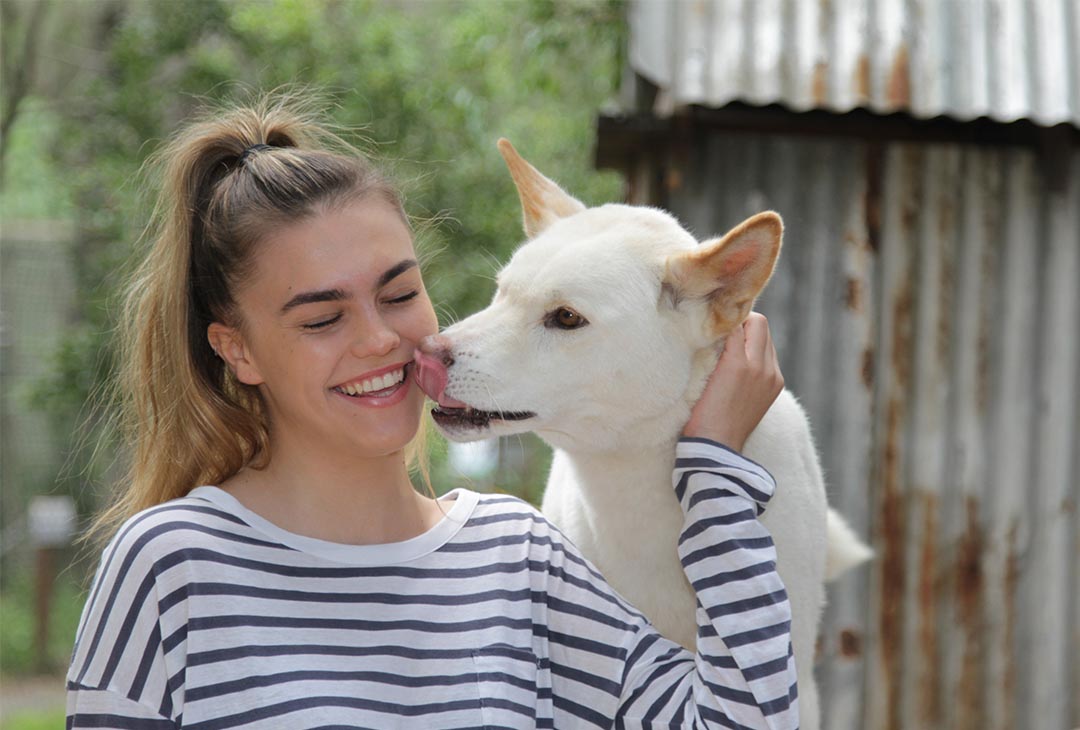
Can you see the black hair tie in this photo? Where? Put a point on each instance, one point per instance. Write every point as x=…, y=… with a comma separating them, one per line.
x=252, y=150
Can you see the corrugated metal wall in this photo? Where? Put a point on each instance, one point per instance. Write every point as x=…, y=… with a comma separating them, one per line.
x=1004, y=59
x=927, y=313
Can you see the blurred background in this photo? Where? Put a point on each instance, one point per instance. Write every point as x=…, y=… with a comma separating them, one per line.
x=91, y=87
x=925, y=156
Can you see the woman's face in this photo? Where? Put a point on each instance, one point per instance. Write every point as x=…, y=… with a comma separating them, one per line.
x=332, y=314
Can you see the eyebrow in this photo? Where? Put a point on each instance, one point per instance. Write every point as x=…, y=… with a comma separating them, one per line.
x=337, y=295
x=395, y=271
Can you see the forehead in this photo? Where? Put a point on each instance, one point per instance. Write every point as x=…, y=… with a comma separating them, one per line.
x=351, y=243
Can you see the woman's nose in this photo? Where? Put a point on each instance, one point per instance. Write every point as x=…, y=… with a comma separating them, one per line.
x=376, y=337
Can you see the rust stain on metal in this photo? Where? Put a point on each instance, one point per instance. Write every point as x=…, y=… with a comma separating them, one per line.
x=893, y=568
x=947, y=220
x=862, y=78
x=819, y=84
x=868, y=368
x=910, y=203
x=982, y=365
x=854, y=294
x=850, y=643
x=969, y=594
x=946, y=283
x=875, y=181
x=930, y=681
x=903, y=311
x=986, y=321
x=945, y=305
x=1012, y=579
x=898, y=90
x=674, y=179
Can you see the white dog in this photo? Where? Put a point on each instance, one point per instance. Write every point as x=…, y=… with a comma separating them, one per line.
x=603, y=331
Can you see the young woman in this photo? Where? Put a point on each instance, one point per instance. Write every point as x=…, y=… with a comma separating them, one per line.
x=268, y=346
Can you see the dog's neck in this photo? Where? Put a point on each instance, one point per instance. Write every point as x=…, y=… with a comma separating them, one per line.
x=639, y=437
x=642, y=454
x=615, y=476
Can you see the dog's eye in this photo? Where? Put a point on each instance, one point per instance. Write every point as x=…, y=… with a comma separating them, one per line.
x=565, y=318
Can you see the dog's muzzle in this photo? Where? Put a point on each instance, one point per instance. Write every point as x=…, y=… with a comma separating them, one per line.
x=432, y=361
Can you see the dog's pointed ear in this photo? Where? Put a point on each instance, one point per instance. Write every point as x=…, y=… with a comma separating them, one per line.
x=542, y=201
x=728, y=272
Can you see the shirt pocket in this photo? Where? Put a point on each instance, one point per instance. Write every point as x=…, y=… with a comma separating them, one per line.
x=508, y=680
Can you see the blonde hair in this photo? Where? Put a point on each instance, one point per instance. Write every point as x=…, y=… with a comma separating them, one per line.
x=224, y=180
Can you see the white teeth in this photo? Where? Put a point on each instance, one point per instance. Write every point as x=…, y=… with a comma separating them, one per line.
x=377, y=383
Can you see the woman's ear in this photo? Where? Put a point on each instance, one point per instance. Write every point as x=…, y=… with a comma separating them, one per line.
x=229, y=345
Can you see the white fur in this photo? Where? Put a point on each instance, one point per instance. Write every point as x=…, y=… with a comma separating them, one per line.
x=612, y=398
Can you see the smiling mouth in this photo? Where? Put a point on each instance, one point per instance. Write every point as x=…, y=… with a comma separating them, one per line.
x=474, y=417
x=377, y=386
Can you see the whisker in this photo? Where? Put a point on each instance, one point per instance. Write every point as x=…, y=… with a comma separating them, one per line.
x=493, y=260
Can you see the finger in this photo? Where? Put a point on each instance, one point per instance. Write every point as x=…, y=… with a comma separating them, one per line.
x=757, y=337
x=773, y=365
x=735, y=344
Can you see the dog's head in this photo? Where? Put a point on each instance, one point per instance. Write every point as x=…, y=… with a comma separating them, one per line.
x=605, y=324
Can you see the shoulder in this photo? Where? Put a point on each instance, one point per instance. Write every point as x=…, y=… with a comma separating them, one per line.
x=505, y=513
x=186, y=522
x=505, y=522
x=188, y=529
x=123, y=607
x=509, y=520
x=557, y=569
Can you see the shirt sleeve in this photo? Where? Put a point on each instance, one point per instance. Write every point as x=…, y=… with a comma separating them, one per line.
x=610, y=667
x=95, y=708
x=118, y=676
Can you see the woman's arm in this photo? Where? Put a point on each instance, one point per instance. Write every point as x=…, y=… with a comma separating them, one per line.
x=117, y=677
x=744, y=672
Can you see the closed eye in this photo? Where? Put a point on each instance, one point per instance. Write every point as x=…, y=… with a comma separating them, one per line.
x=322, y=323
x=403, y=299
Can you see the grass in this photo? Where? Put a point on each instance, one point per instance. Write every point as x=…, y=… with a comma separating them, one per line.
x=35, y=720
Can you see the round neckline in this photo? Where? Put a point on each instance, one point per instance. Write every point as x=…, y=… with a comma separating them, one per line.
x=391, y=553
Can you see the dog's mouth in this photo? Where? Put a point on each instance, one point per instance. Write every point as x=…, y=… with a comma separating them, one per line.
x=448, y=416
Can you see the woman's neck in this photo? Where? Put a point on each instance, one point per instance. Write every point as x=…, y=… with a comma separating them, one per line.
x=353, y=501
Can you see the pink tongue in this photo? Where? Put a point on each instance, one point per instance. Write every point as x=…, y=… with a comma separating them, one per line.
x=431, y=376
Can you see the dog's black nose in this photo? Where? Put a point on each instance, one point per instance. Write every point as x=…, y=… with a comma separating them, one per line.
x=437, y=347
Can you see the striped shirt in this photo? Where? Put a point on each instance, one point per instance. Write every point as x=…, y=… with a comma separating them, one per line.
x=204, y=615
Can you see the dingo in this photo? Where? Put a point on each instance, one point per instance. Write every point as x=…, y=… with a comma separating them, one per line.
x=604, y=328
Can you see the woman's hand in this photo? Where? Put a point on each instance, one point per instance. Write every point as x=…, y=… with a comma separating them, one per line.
x=741, y=389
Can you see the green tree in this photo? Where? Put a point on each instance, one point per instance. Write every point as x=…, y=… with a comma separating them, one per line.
x=431, y=84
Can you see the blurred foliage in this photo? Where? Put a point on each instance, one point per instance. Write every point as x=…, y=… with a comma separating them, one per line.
x=430, y=85
x=17, y=630
x=34, y=187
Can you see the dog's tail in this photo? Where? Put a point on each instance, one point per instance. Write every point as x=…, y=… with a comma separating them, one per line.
x=844, y=548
